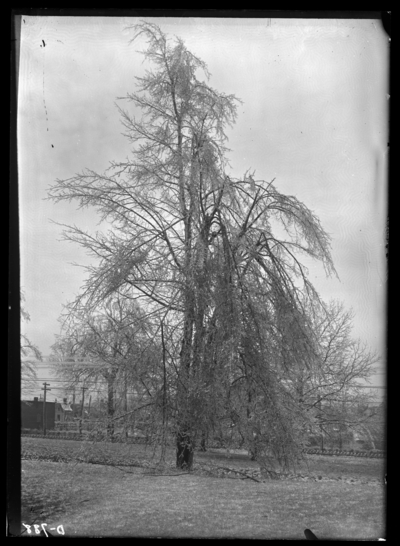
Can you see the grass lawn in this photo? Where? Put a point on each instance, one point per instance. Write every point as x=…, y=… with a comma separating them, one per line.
x=94, y=500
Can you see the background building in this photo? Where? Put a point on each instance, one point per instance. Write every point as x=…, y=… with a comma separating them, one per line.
x=32, y=413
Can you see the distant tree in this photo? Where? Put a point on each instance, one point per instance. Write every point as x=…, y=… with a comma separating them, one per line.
x=212, y=257
x=332, y=388
x=30, y=354
x=373, y=428
x=112, y=348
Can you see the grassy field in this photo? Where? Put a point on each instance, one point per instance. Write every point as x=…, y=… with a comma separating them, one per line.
x=338, y=498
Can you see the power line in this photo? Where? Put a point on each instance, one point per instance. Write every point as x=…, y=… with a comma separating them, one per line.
x=74, y=364
x=44, y=363
x=383, y=385
x=73, y=387
x=58, y=380
x=93, y=382
x=62, y=382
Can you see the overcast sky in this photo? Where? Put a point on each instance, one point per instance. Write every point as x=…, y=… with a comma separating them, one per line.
x=314, y=117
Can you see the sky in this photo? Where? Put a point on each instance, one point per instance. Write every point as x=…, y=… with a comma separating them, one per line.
x=314, y=116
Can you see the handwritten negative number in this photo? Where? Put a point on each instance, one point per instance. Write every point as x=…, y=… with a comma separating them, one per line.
x=60, y=529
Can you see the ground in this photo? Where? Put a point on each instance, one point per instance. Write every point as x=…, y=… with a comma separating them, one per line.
x=335, y=497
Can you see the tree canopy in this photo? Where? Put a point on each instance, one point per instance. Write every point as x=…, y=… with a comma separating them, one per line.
x=213, y=260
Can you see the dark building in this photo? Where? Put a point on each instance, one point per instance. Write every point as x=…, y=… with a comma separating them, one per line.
x=32, y=413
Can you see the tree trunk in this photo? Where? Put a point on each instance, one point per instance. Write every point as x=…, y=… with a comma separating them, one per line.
x=203, y=446
x=125, y=405
x=184, y=451
x=110, y=409
x=184, y=447
x=254, y=450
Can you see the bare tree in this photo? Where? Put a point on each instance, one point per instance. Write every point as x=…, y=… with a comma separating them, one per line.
x=213, y=256
x=112, y=348
x=332, y=389
x=30, y=354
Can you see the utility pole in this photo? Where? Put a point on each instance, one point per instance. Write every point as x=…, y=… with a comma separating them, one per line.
x=82, y=402
x=83, y=398
x=73, y=403
x=45, y=389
